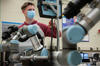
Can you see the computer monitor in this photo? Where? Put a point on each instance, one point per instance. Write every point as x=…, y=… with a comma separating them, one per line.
x=46, y=10
x=85, y=57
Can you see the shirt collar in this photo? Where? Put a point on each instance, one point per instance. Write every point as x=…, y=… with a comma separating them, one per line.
x=34, y=22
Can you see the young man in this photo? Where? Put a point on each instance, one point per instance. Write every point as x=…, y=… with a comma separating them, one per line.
x=28, y=10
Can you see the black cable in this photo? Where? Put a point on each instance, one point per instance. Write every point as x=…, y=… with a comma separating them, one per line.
x=51, y=49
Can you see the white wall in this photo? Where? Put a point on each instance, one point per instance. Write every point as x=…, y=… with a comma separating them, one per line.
x=11, y=11
x=94, y=39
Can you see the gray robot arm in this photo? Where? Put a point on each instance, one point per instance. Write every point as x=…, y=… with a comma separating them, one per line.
x=31, y=32
x=75, y=33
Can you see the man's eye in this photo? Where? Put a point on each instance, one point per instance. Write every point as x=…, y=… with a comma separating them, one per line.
x=31, y=9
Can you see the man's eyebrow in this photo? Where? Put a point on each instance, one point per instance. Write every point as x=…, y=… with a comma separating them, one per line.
x=31, y=9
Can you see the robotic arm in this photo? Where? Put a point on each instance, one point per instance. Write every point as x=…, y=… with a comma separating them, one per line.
x=33, y=32
x=75, y=33
x=12, y=50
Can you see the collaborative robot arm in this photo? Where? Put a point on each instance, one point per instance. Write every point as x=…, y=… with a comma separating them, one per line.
x=33, y=32
x=75, y=33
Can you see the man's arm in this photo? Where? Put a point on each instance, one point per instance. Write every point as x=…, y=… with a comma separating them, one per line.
x=47, y=29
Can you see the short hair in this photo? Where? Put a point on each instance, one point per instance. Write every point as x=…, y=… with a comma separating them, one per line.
x=26, y=4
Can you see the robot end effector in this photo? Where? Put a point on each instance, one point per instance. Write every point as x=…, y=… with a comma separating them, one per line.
x=23, y=33
x=26, y=32
x=10, y=30
x=33, y=32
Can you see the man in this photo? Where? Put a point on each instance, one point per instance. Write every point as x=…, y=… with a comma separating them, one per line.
x=28, y=10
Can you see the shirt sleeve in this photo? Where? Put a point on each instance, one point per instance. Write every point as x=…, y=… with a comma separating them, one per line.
x=21, y=26
x=47, y=30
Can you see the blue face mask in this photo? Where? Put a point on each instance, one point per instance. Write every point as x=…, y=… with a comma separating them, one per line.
x=30, y=14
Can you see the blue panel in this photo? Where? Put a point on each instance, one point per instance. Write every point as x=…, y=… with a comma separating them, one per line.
x=6, y=22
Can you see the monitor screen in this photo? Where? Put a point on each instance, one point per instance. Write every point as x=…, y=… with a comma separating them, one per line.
x=85, y=57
